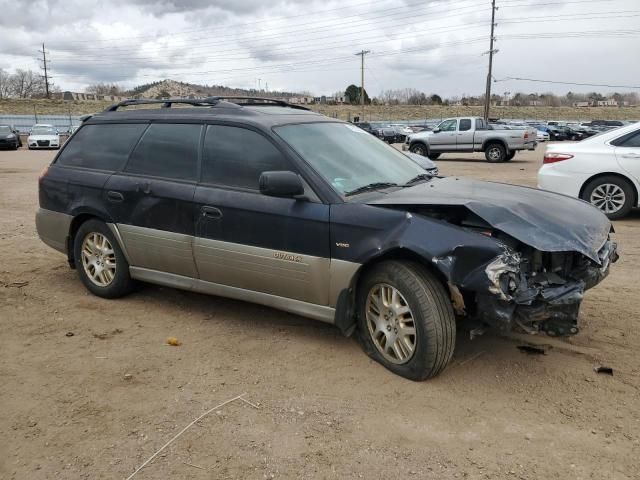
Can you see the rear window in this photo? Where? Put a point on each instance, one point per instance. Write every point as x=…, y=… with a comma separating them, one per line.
x=629, y=140
x=465, y=124
x=101, y=147
x=167, y=150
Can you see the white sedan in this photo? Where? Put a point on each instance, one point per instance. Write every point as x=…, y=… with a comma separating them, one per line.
x=603, y=170
x=43, y=136
x=542, y=136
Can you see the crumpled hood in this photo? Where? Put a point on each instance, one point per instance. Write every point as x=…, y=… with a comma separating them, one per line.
x=546, y=221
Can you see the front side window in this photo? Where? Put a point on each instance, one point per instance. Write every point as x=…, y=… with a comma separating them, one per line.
x=348, y=157
x=4, y=130
x=167, y=150
x=465, y=124
x=448, y=125
x=236, y=157
x=102, y=147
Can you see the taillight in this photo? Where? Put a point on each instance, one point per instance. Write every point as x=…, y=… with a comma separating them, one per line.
x=43, y=173
x=526, y=135
x=556, y=157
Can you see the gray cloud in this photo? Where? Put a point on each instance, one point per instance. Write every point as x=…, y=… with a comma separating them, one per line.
x=310, y=44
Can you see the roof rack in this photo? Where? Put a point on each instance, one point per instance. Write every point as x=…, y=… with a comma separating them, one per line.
x=203, y=102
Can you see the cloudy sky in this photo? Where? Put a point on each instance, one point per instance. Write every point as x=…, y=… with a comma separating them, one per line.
x=309, y=45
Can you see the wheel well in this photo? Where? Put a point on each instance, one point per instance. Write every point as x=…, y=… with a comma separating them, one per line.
x=399, y=254
x=611, y=174
x=495, y=140
x=73, y=229
x=419, y=142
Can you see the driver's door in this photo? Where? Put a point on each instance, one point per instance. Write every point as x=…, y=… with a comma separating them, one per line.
x=445, y=136
x=251, y=241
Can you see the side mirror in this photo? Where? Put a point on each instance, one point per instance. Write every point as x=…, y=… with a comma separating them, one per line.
x=436, y=130
x=281, y=184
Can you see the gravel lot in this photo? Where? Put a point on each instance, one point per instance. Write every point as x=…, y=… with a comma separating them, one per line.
x=91, y=391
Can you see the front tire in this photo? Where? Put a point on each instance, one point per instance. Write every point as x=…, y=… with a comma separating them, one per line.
x=100, y=262
x=495, y=153
x=434, y=156
x=419, y=148
x=405, y=320
x=613, y=195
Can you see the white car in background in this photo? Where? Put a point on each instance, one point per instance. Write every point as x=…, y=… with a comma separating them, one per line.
x=43, y=136
x=542, y=136
x=603, y=170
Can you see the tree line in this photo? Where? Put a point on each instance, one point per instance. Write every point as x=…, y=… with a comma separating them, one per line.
x=23, y=84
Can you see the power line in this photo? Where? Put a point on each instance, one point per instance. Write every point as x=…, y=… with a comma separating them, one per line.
x=567, y=83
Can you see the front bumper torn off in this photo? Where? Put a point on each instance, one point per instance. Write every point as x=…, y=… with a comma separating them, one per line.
x=541, y=300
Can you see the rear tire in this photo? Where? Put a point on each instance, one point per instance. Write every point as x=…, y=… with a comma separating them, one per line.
x=100, y=262
x=495, y=153
x=418, y=302
x=614, y=196
x=510, y=156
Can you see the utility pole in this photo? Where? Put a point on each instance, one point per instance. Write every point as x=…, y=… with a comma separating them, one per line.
x=44, y=65
x=362, y=53
x=487, y=95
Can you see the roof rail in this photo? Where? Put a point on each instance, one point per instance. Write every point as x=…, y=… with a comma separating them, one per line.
x=202, y=102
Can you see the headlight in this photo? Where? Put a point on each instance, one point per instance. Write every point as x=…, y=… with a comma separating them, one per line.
x=11, y=135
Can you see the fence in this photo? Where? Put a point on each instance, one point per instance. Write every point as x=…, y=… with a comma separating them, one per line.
x=23, y=123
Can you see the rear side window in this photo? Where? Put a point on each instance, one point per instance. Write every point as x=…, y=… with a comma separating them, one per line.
x=465, y=124
x=629, y=140
x=101, y=147
x=167, y=150
x=236, y=157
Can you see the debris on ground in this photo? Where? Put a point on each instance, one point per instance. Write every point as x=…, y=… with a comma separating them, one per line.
x=128, y=376
x=15, y=284
x=69, y=334
x=604, y=370
x=531, y=350
x=106, y=335
x=173, y=341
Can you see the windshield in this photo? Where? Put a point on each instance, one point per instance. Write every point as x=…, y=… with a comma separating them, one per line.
x=348, y=157
x=4, y=130
x=43, y=131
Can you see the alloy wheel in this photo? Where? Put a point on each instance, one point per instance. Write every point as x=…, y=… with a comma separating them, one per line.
x=494, y=154
x=608, y=197
x=98, y=259
x=391, y=323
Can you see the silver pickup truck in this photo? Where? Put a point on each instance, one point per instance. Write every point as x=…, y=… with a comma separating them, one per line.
x=464, y=134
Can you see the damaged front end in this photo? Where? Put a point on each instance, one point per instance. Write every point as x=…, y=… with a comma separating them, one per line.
x=540, y=291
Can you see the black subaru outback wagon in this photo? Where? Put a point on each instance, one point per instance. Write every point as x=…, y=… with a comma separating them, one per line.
x=262, y=201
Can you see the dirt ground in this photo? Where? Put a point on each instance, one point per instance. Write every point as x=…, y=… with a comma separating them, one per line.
x=89, y=390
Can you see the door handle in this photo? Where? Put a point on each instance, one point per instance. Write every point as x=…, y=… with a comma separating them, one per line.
x=631, y=155
x=211, y=212
x=144, y=188
x=114, y=196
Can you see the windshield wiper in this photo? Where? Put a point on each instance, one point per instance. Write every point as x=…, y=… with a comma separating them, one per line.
x=418, y=178
x=369, y=187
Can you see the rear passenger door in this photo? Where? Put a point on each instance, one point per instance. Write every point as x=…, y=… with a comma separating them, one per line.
x=251, y=241
x=151, y=199
x=465, y=135
x=75, y=181
x=628, y=153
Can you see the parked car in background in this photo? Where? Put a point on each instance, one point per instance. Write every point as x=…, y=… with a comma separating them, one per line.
x=366, y=126
x=542, y=136
x=387, y=134
x=603, y=170
x=466, y=134
x=555, y=134
x=273, y=204
x=9, y=137
x=43, y=136
x=571, y=134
